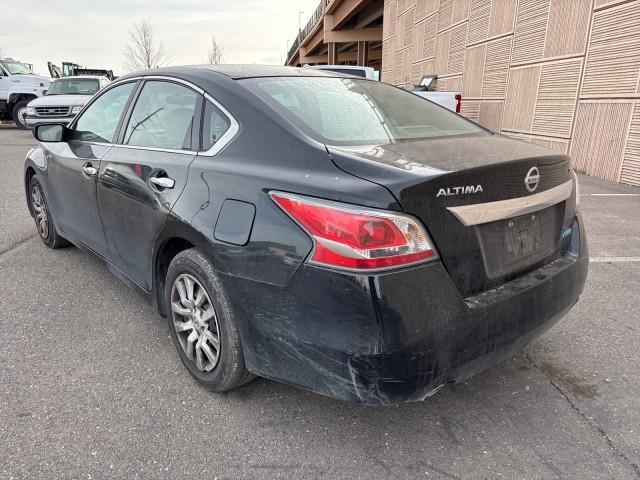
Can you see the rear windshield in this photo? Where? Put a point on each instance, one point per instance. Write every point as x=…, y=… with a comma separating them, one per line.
x=347, y=111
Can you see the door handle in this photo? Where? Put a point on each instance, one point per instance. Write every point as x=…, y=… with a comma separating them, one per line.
x=89, y=170
x=162, y=182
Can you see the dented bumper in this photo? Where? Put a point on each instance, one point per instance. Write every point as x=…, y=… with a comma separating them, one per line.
x=396, y=337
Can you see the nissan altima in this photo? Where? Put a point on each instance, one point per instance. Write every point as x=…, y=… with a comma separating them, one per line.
x=325, y=231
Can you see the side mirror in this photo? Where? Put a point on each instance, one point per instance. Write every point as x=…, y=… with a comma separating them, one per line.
x=50, y=133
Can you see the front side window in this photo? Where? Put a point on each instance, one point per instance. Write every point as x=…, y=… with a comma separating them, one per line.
x=74, y=86
x=348, y=111
x=215, y=126
x=163, y=117
x=100, y=120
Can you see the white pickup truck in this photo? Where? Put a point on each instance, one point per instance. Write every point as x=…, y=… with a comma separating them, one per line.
x=18, y=86
x=449, y=100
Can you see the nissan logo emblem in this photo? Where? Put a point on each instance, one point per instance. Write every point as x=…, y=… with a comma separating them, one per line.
x=532, y=179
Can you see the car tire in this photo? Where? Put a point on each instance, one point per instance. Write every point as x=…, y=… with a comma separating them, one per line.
x=18, y=112
x=194, y=326
x=42, y=215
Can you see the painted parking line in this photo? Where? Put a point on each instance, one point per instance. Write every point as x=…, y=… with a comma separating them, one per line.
x=614, y=260
x=610, y=195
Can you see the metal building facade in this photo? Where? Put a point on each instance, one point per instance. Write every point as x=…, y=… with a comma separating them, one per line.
x=562, y=73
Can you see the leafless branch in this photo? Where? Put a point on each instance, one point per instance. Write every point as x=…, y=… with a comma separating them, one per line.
x=143, y=50
x=216, y=52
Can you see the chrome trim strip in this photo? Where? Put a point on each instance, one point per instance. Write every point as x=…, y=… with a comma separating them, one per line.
x=156, y=77
x=102, y=144
x=154, y=149
x=480, y=213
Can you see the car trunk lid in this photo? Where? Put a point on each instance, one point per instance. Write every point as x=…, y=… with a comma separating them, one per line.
x=488, y=223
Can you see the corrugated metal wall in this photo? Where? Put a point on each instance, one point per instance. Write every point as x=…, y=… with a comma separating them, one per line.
x=560, y=73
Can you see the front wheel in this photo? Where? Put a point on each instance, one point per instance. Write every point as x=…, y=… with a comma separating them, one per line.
x=202, y=323
x=42, y=216
x=19, y=114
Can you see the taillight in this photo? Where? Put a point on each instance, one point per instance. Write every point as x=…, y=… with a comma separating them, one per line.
x=357, y=238
x=458, y=103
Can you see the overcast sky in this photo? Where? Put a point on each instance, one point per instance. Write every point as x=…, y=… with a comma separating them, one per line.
x=94, y=33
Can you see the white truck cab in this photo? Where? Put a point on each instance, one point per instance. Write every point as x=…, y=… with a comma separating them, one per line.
x=18, y=86
x=364, y=72
x=448, y=100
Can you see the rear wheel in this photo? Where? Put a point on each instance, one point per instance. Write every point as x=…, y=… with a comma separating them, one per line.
x=42, y=216
x=19, y=114
x=202, y=324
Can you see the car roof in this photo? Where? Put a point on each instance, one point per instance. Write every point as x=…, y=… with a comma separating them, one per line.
x=237, y=72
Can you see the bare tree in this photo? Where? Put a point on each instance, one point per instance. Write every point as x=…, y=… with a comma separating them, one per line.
x=143, y=50
x=216, y=52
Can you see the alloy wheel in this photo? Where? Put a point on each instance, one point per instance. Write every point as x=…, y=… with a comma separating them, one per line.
x=40, y=210
x=195, y=322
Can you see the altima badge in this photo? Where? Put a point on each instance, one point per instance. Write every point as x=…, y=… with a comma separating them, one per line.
x=532, y=179
x=453, y=191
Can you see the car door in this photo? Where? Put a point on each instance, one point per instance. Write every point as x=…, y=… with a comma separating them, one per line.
x=5, y=83
x=74, y=165
x=143, y=175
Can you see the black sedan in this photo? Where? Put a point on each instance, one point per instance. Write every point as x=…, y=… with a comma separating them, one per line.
x=325, y=231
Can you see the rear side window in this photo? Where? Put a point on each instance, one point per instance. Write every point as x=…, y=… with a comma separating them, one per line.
x=349, y=111
x=215, y=125
x=162, y=117
x=99, y=121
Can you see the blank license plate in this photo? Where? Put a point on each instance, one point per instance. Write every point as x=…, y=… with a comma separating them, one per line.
x=512, y=245
x=522, y=235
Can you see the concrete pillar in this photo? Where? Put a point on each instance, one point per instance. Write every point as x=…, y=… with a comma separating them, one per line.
x=333, y=53
x=363, y=54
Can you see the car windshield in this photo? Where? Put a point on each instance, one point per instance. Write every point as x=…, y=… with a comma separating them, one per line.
x=348, y=111
x=17, y=68
x=74, y=86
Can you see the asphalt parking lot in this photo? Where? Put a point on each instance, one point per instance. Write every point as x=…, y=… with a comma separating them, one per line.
x=92, y=387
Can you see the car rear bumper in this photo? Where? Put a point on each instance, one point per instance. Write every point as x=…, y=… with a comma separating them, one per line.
x=396, y=337
x=33, y=121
